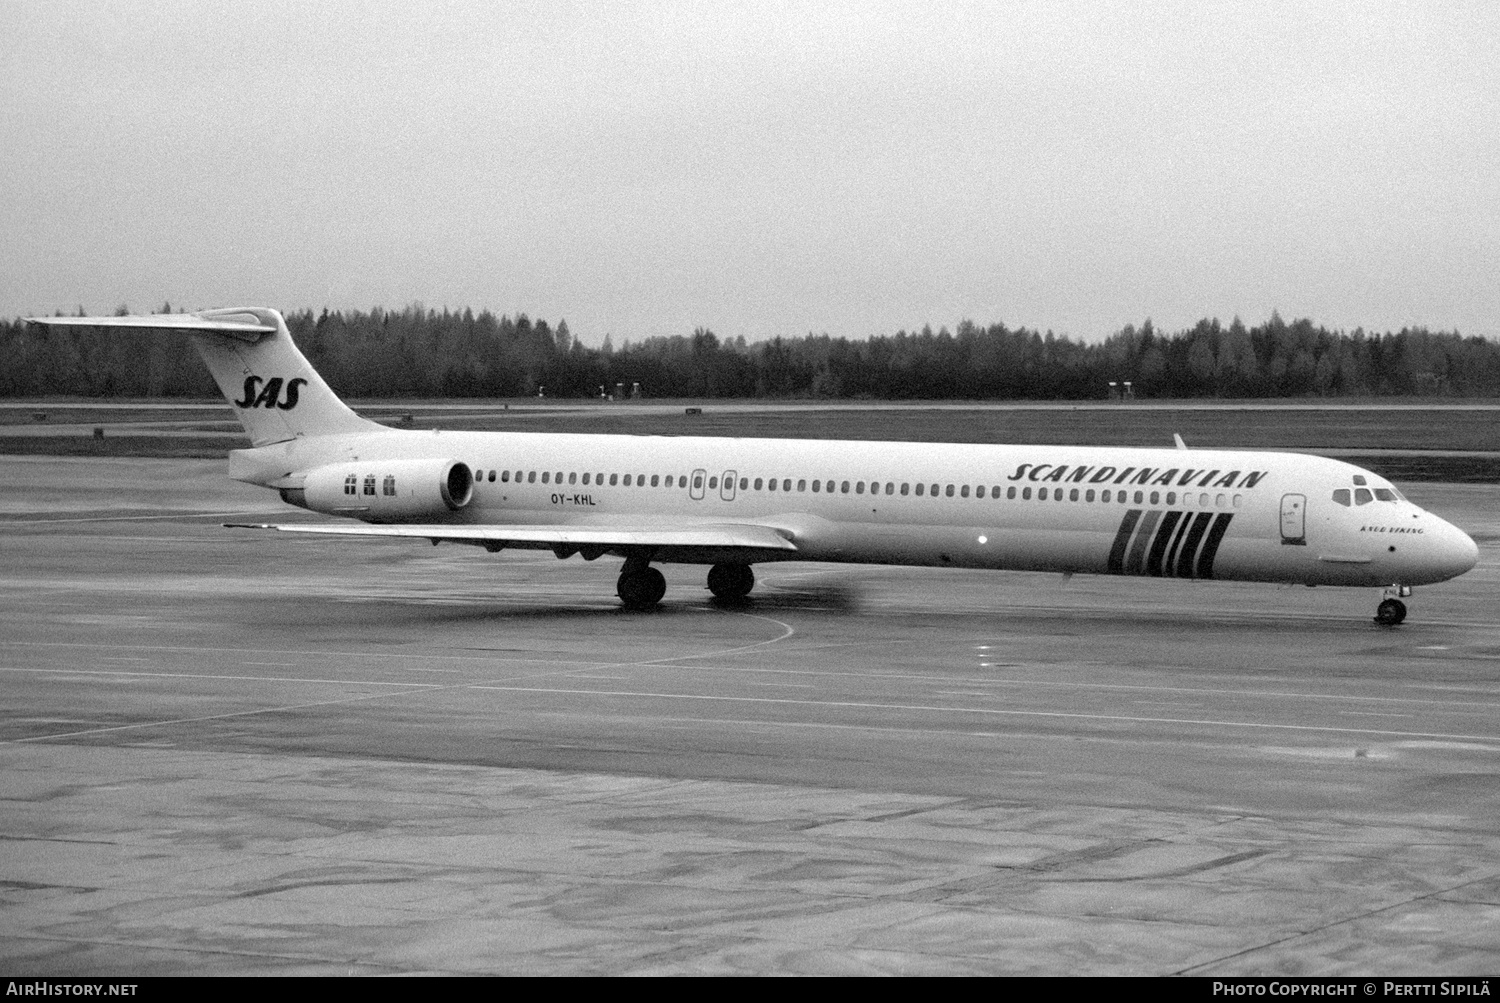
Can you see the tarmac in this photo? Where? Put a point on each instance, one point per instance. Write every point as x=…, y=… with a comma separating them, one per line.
x=230, y=752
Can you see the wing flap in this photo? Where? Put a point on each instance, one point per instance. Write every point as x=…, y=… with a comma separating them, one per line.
x=736, y=535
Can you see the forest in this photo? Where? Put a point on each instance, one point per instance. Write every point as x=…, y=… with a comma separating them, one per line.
x=421, y=353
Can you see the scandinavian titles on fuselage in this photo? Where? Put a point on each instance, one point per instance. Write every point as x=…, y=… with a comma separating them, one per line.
x=1181, y=476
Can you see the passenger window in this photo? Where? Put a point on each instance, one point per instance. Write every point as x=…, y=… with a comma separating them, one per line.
x=682, y=481
x=1026, y=494
x=369, y=484
x=801, y=485
x=979, y=491
x=760, y=482
x=920, y=489
x=890, y=487
x=1237, y=501
x=1073, y=495
x=1041, y=494
x=1106, y=496
x=713, y=482
x=388, y=486
x=1171, y=497
x=906, y=488
x=1362, y=496
x=1203, y=500
x=859, y=487
x=1155, y=497
x=531, y=478
x=1342, y=497
x=817, y=486
x=1139, y=497
x=585, y=478
x=1384, y=494
x=1010, y=493
x=744, y=483
x=351, y=484
x=949, y=492
x=1219, y=500
x=599, y=479
x=963, y=492
x=505, y=477
x=771, y=484
x=844, y=489
x=573, y=478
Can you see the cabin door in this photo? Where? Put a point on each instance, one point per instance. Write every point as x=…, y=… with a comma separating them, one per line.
x=696, y=485
x=726, y=486
x=1294, y=519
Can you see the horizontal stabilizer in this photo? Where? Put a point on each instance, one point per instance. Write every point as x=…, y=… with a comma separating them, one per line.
x=244, y=325
x=275, y=392
x=736, y=535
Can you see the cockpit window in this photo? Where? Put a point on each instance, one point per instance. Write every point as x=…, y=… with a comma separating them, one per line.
x=1362, y=496
x=1342, y=497
x=1385, y=494
x=1359, y=478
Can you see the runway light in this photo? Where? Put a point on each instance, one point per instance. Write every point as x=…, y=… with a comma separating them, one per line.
x=984, y=539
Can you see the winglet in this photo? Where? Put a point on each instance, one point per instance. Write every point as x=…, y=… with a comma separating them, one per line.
x=1178, y=439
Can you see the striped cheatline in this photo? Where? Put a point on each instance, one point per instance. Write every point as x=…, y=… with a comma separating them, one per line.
x=1168, y=544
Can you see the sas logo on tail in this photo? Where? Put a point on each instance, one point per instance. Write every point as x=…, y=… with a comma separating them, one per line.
x=270, y=395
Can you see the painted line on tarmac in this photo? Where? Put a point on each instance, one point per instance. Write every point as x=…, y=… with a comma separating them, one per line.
x=412, y=688
x=137, y=518
x=1469, y=705
x=983, y=711
x=210, y=675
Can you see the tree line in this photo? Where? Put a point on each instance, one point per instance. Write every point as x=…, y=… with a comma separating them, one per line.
x=417, y=352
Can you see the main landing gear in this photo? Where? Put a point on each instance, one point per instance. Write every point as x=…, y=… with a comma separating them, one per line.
x=1392, y=610
x=730, y=581
x=640, y=586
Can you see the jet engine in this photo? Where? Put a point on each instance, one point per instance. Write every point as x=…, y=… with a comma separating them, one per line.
x=387, y=490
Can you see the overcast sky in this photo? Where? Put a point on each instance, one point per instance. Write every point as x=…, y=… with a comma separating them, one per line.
x=758, y=168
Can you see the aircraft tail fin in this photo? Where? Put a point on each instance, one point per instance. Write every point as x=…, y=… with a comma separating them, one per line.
x=274, y=390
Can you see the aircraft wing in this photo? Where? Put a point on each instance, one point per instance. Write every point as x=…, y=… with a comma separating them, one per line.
x=602, y=538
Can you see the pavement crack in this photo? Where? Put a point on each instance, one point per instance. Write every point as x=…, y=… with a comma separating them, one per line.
x=1320, y=928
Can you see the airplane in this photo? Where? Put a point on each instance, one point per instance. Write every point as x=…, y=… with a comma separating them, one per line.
x=732, y=503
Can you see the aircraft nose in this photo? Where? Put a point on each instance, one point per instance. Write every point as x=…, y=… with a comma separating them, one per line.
x=1459, y=553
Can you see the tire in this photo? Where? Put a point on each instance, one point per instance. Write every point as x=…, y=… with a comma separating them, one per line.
x=730, y=581
x=1390, y=612
x=642, y=589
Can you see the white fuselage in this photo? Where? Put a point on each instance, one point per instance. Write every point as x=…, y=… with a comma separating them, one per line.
x=1253, y=516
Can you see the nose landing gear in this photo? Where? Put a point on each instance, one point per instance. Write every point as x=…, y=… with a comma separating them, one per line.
x=1392, y=610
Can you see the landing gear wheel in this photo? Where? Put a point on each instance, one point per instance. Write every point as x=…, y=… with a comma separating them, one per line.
x=730, y=581
x=1390, y=612
x=641, y=588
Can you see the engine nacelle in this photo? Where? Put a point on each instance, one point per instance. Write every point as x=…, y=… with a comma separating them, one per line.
x=387, y=490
